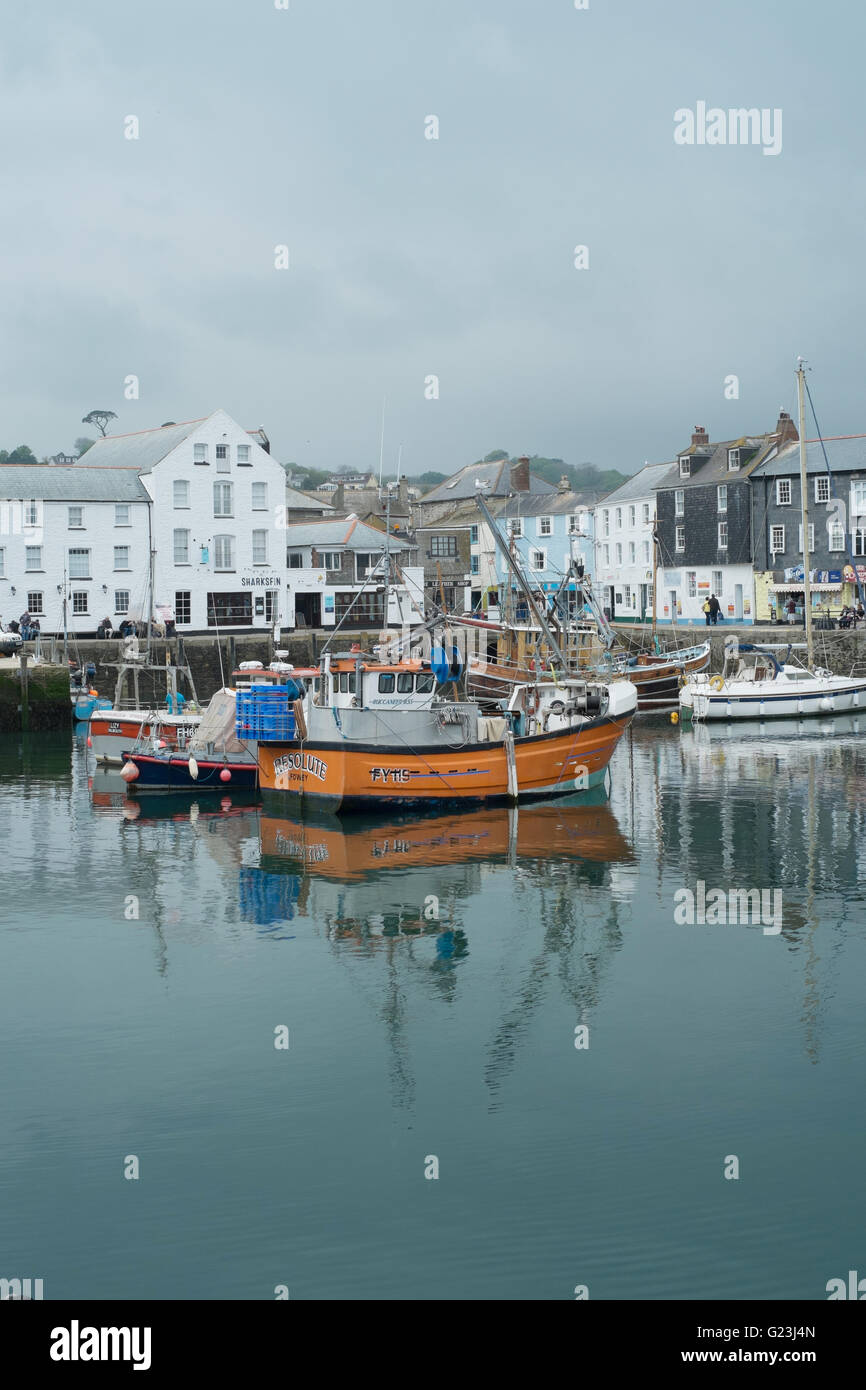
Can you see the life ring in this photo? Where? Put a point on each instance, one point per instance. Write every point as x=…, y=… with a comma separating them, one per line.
x=716, y=683
x=557, y=707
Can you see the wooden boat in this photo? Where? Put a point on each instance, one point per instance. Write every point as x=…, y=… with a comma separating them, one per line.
x=372, y=734
x=518, y=655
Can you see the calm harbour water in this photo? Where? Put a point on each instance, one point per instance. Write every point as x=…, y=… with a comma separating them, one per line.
x=412, y=1037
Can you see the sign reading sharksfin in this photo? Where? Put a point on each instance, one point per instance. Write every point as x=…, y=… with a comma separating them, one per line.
x=737, y=126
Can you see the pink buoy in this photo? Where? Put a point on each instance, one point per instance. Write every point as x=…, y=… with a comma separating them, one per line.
x=160, y=743
x=225, y=775
x=89, y=741
x=129, y=772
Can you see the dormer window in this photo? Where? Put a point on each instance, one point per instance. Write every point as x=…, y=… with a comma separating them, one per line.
x=685, y=466
x=733, y=459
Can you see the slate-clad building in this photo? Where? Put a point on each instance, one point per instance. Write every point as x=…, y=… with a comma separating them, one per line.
x=837, y=526
x=704, y=526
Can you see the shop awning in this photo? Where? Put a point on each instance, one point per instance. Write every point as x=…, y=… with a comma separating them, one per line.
x=799, y=588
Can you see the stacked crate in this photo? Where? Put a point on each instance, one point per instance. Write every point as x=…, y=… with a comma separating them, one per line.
x=263, y=713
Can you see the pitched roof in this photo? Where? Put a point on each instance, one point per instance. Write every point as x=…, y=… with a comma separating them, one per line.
x=343, y=531
x=74, y=482
x=462, y=483
x=299, y=501
x=144, y=449
x=845, y=453
x=641, y=484
x=714, y=464
x=548, y=504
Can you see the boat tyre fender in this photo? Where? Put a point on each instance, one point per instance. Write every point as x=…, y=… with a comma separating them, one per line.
x=716, y=683
x=557, y=707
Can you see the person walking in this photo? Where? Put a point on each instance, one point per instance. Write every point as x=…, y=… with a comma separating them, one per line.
x=708, y=611
x=715, y=609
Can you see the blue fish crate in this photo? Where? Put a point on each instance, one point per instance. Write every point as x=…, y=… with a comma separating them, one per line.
x=263, y=713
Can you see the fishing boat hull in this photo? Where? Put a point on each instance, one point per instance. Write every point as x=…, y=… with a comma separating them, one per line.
x=112, y=730
x=776, y=699
x=656, y=678
x=359, y=777
x=172, y=773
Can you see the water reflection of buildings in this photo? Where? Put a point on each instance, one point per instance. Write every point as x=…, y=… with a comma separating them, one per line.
x=769, y=806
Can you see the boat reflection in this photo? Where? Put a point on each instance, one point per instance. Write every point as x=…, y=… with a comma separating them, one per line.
x=581, y=828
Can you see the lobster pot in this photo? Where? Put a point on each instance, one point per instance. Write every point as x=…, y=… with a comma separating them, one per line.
x=264, y=713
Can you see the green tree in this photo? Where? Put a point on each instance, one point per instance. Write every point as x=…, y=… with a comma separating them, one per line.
x=23, y=454
x=82, y=444
x=100, y=419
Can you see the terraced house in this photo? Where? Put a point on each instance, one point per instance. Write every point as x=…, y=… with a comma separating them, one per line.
x=704, y=526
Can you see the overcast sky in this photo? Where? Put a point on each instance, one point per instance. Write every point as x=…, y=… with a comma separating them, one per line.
x=412, y=257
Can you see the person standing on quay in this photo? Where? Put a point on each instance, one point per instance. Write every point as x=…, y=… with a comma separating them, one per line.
x=708, y=611
x=715, y=609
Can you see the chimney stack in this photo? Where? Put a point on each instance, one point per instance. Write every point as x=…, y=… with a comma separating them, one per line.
x=700, y=436
x=520, y=475
x=786, y=429
x=340, y=497
x=563, y=485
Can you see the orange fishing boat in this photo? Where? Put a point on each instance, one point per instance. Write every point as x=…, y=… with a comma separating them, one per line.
x=367, y=734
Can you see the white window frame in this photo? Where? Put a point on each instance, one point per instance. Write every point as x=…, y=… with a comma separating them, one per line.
x=243, y=455
x=631, y=553
x=646, y=552
x=80, y=594
x=332, y=560
x=260, y=547
x=534, y=555
x=835, y=536
x=646, y=513
x=183, y=547
x=199, y=454
x=78, y=551
x=822, y=488
x=722, y=498
x=722, y=544
x=858, y=498
x=619, y=553
x=574, y=524
x=116, y=565
x=31, y=514
x=605, y=516
x=717, y=583
x=122, y=508
x=680, y=539
x=34, y=603
x=75, y=525
x=515, y=526
x=774, y=548
x=783, y=492
x=679, y=501
x=219, y=489
x=632, y=516
x=617, y=520
x=31, y=551
x=544, y=526
x=180, y=488
x=221, y=544
x=259, y=489
x=121, y=608
x=858, y=540
x=606, y=554
x=733, y=460
x=691, y=583
x=811, y=538
x=685, y=466
x=224, y=462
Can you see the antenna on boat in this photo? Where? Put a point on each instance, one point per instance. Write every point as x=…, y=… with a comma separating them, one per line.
x=804, y=504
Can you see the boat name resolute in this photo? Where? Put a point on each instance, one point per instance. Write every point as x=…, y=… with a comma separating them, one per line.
x=301, y=762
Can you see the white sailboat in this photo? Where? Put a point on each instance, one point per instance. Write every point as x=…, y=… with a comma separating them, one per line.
x=755, y=683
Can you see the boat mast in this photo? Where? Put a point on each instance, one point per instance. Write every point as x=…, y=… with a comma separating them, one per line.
x=518, y=573
x=804, y=499
x=655, y=574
